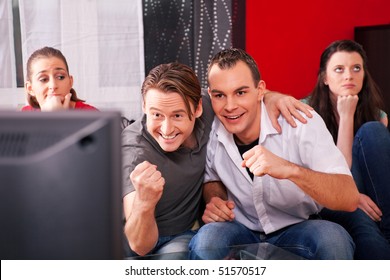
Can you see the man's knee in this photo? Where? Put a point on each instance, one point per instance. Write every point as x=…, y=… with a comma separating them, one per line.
x=177, y=244
x=334, y=242
x=221, y=234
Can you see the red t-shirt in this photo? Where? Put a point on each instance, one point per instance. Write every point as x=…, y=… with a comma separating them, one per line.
x=78, y=106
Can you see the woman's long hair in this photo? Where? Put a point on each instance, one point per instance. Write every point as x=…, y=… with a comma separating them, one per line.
x=370, y=99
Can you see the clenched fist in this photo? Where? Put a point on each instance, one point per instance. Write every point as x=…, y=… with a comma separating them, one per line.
x=148, y=183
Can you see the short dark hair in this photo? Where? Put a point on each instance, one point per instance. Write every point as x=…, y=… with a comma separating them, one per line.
x=228, y=58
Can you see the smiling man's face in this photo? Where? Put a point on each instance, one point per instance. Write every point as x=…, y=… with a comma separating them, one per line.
x=236, y=100
x=168, y=121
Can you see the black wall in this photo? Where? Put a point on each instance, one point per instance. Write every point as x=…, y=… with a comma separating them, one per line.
x=376, y=42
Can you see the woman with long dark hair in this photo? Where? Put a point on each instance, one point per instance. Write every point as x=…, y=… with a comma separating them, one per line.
x=349, y=101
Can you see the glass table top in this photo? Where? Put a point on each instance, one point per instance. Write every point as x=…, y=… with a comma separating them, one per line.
x=255, y=251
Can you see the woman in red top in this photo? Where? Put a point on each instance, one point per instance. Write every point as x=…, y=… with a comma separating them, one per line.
x=49, y=85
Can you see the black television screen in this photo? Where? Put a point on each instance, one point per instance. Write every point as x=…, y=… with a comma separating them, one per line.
x=60, y=185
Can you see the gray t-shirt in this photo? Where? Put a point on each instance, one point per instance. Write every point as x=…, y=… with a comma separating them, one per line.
x=183, y=171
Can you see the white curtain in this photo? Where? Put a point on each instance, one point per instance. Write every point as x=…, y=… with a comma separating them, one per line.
x=7, y=55
x=102, y=42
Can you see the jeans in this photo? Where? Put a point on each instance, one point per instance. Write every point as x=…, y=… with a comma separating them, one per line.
x=371, y=168
x=369, y=240
x=371, y=172
x=311, y=239
x=174, y=246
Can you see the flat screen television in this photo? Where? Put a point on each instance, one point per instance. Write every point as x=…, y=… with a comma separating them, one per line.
x=60, y=185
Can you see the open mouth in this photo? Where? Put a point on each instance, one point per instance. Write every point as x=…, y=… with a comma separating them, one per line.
x=234, y=117
x=168, y=137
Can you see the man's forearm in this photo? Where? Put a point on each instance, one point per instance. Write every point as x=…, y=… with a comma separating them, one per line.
x=334, y=191
x=214, y=189
x=141, y=231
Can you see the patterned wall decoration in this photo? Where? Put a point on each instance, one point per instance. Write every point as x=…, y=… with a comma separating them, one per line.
x=168, y=32
x=190, y=31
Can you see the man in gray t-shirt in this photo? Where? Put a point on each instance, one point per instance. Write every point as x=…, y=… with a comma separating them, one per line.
x=165, y=153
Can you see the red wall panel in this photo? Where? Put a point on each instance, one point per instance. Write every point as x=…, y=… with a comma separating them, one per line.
x=287, y=37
